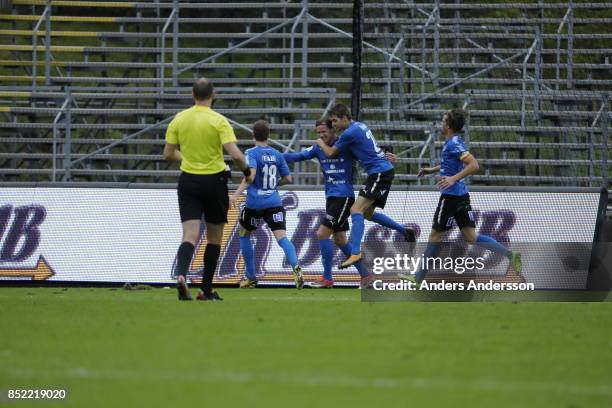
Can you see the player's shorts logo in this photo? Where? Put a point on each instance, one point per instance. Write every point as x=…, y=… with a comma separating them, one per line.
x=278, y=217
x=450, y=221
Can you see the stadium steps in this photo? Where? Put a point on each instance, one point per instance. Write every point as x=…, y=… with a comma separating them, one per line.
x=331, y=20
x=303, y=143
x=256, y=50
x=443, y=81
x=102, y=65
x=425, y=113
x=312, y=5
x=184, y=93
x=158, y=157
x=400, y=126
x=315, y=35
x=311, y=176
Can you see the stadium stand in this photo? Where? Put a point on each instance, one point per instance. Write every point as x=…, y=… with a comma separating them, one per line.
x=86, y=88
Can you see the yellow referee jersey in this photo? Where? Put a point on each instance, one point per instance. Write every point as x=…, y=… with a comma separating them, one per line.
x=201, y=133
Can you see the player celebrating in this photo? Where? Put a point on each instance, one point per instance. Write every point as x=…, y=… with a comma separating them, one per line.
x=454, y=204
x=359, y=141
x=340, y=197
x=268, y=171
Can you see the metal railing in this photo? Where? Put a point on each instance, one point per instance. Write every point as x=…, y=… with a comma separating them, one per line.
x=46, y=18
x=430, y=25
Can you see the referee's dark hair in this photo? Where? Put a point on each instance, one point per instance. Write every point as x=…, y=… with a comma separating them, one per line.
x=203, y=89
x=325, y=120
x=261, y=130
x=340, y=110
x=455, y=119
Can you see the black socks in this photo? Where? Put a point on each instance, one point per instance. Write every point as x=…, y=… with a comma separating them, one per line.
x=211, y=256
x=183, y=258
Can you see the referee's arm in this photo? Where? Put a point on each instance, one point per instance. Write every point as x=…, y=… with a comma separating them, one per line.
x=172, y=153
x=237, y=156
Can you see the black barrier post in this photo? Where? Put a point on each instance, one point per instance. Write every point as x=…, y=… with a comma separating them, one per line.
x=604, y=134
x=357, y=50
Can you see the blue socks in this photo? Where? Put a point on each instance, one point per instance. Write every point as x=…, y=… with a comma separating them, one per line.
x=346, y=250
x=492, y=245
x=432, y=251
x=357, y=229
x=289, y=251
x=385, y=221
x=249, y=259
x=327, y=255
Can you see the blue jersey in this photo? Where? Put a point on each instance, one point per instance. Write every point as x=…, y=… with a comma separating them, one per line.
x=337, y=172
x=453, y=151
x=359, y=141
x=271, y=166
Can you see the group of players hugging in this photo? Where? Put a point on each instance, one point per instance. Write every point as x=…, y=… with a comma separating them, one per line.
x=341, y=141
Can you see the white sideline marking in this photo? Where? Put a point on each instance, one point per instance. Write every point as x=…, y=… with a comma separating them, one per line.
x=317, y=380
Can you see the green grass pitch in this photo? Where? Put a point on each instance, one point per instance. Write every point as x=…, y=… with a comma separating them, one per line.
x=281, y=347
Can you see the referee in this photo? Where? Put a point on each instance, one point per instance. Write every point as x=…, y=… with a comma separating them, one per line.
x=197, y=137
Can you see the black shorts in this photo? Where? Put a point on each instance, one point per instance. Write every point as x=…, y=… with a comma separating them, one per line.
x=453, y=209
x=274, y=217
x=203, y=195
x=337, y=211
x=377, y=187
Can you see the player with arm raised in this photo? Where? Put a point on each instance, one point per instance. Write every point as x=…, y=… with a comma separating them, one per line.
x=454, y=204
x=357, y=140
x=339, y=198
x=268, y=171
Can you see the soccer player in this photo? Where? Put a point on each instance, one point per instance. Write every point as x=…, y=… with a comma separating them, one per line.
x=268, y=171
x=454, y=204
x=358, y=140
x=197, y=137
x=339, y=198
